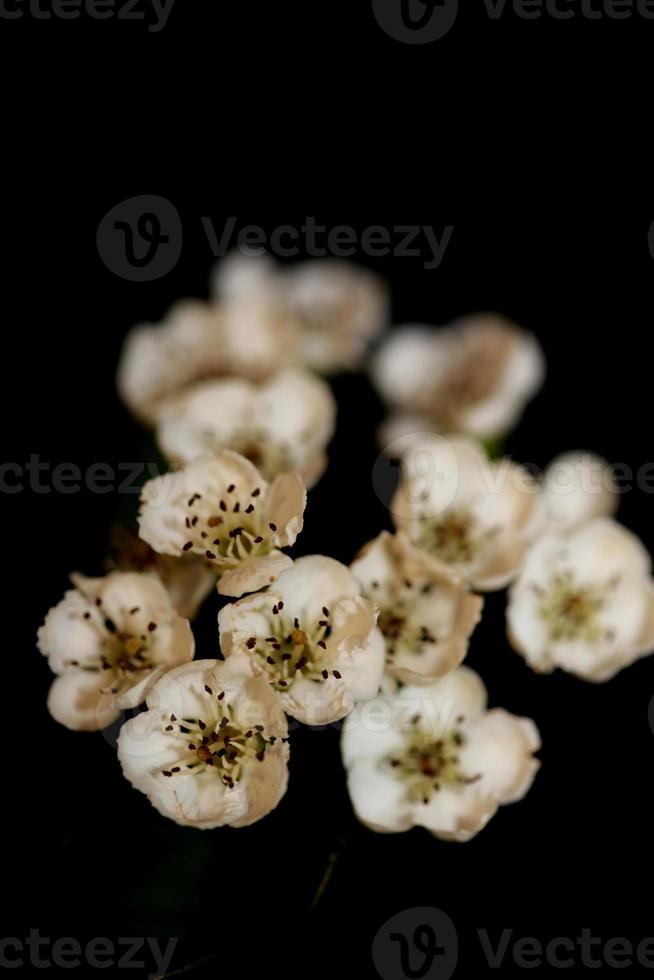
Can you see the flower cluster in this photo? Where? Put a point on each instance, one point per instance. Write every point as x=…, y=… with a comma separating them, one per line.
x=229, y=388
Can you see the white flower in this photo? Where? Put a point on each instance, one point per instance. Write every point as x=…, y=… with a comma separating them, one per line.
x=584, y=602
x=109, y=640
x=426, y=614
x=330, y=309
x=312, y=636
x=474, y=376
x=220, y=506
x=212, y=748
x=475, y=515
x=576, y=488
x=283, y=424
x=188, y=580
x=434, y=757
x=340, y=308
x=158, y=361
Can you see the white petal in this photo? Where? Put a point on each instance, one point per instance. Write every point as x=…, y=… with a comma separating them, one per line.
x=284, y=507
x=206, y=417
x=576, y=488
x=67, y=636
x=379, y=799
x=315, y=581
x=500, y=747
x=460, y=694
x=77, y=700
x=254, y=574
x=456, y=814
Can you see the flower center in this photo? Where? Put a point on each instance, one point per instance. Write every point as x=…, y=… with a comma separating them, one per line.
x=230, y=530
x=294, y=649
x=395, y=622
x=217, y=743
x=123, y=653
x=270, y=458
x=453, y=537
x=427, y=765
x=570, y=610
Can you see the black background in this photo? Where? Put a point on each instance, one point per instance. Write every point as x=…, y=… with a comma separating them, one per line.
x=236, y=116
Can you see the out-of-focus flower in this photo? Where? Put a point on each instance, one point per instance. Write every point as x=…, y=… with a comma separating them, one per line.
x=312, y=636
x=584, y=602
x=426, y=614
x=434, y=757
x=577, y=487
x=221, y=507
x=475, y=376
x=212, y=748
x=283, y=424
x=160, y=360
x=188, y=580
x=331, y=309
x=109, y=640
x=475, y=515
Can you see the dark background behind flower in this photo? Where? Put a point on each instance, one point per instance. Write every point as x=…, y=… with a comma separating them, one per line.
x=85, y=855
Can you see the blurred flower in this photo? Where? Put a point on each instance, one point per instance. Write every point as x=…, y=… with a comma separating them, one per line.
x=576, y=488
x=584, y=602
x=109, y=640
x=188, y=580
x=475, y=515
x=283, y=424
x=212, y=748
x=474, y=376
x=331, y=309
x=158, y=361
x=221, y=507
x=426, y=614
x=312, y=636
x=434, y=757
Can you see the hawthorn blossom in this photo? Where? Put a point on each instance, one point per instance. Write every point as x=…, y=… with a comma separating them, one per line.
x=160, y=360
x=474, y=377
x=220, y=506
x=576, y=488
x=312, y=636
x=109, y=640
x=330, y=309
x=434, y=757
x=188, y=580
x=475, y=515
x=426, y=614
x=283, y=424
x=584, y=602
x=212, y=748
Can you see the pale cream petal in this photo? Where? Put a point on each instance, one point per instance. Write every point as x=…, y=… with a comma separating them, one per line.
x=78, y=700
x=284, y=507
x=254, y=574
